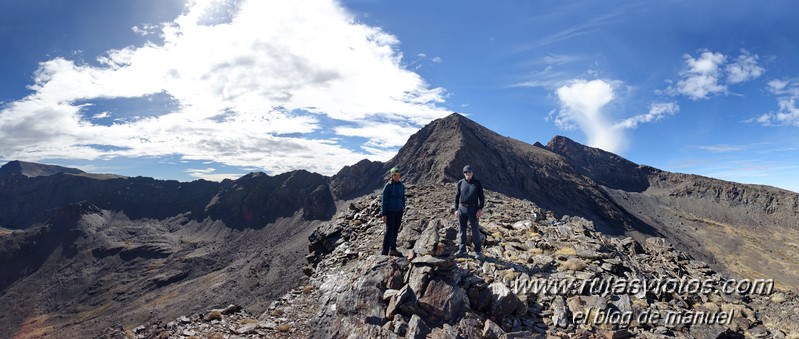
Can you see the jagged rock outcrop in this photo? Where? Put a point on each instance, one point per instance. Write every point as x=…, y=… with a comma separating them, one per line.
x=605, y=168
x=359, y=179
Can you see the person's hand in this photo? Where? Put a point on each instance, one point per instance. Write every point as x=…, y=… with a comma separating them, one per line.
x=457, y=214
x=385, y=218
x=479, y=214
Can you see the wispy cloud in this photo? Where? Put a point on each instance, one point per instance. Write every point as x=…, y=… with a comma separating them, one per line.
x=210, y=175
x=723, y=148
x=568, y=13
x=710, y=74
x=550, y=75
x=657, y=111
x=548, y=78
x=252, y=83
x=787, y=114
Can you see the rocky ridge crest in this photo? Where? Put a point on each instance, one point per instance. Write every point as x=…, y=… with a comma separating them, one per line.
x=353, y=292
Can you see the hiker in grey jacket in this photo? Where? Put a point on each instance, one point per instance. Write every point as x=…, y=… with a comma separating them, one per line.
x=393, y=204
x=469, y=203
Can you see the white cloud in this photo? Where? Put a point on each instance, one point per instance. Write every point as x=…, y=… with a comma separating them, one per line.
x=242, y=81
x=723, y=148
x=777, y=86
x=726, y=148
x=744, y=68
x=101, y=115
x=702, y=77
x=583, y=107
x=710, y=74
x=582, y=102
x=208, y=174
x=145, y=29
x=788, y=87
x=787, y=113
x=657, y=111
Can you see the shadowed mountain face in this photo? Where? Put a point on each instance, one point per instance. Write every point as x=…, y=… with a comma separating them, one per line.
x=80, y=253
x=605, y=168
x=251, y=201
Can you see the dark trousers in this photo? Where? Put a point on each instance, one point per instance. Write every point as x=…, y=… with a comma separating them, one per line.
x=470, y=214
x=393, y=220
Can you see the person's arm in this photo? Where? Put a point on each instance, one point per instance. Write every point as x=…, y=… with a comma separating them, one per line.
x=403, y=197
x=457, y=194
x=383, y=200
x=383, y=203
x=481, y=198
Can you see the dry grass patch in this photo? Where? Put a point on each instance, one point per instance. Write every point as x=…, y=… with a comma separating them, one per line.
x=568, y=250
x=248, y=321
x=33, y=327
x=778, y=298
x=573, y=264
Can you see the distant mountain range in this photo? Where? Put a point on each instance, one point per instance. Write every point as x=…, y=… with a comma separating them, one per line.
x=80, y=252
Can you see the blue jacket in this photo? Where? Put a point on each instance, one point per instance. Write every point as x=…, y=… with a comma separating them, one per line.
x=393, y=199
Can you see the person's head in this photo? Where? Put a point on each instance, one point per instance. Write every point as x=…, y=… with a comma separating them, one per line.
x=468, y=172
x=395, y=173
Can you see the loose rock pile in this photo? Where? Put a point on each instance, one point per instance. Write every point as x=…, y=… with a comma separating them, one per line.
x=354, y=292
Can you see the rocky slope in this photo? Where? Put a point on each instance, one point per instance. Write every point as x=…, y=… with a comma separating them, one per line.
x=354, y=292
x=751, y=230
x=79, y=254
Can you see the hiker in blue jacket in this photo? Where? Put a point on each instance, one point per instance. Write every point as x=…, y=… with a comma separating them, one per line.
x=393, y=204
x=469, y=203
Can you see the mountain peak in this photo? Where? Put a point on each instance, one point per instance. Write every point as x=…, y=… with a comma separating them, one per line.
x=31, y=169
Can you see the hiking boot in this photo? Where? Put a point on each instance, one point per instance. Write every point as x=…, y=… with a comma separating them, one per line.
x=479, y=255
x=460, y=254
x=395, y=253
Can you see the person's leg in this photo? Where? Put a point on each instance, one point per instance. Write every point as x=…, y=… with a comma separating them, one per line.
x=397, y=220
x=462, y=218
x=388, y=238
x=385, y=240
x=475, y=228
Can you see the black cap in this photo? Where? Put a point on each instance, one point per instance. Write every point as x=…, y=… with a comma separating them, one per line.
x=467, y=168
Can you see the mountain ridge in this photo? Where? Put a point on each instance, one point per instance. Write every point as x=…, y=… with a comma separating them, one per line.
x=155, y=227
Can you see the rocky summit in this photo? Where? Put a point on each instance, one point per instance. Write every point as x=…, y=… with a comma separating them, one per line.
x=579, y=242
x=542, y=277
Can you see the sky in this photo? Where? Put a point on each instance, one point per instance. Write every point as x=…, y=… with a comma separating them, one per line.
x=185, y=90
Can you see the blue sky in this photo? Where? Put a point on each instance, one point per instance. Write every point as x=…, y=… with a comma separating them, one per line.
x=215, y=89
